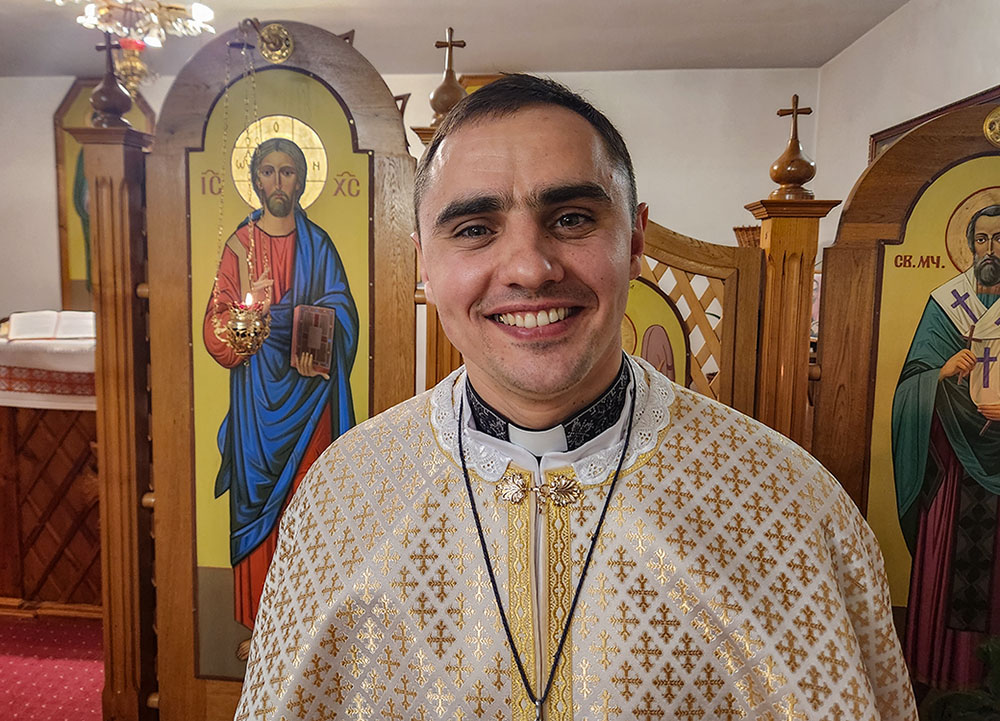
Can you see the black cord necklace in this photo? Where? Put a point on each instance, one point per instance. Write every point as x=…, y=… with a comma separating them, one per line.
x=539, y=701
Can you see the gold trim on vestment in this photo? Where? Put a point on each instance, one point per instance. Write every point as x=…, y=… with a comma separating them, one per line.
x=560, y=586
x=519, y=585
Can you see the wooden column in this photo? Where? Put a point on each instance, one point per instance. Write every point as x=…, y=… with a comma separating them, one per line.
x=789, y=236
x=115, y=166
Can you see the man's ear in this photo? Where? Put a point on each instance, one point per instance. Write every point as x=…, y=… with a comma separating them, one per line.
x=428, y=293
x=637, y=243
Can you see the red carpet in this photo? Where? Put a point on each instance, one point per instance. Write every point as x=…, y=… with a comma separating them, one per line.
x=51, y=669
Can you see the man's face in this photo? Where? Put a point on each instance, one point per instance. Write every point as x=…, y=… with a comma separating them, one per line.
x=986, y=249
x=277, y=183
x=527, y=248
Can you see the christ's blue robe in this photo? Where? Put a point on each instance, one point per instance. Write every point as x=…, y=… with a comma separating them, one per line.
x=273, y=410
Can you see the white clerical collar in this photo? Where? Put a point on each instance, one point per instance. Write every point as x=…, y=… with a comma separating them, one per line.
x=538, y=443
x=574, y=432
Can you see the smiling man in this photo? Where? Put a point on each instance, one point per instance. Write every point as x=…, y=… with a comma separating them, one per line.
x=556, y=530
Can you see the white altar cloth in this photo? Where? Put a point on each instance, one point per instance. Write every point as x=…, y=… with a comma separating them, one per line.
x=55, y=374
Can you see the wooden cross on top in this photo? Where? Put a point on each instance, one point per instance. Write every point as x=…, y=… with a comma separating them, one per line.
x=109, y=99
x=449, y=43
x=795, y=111
x=108, y=45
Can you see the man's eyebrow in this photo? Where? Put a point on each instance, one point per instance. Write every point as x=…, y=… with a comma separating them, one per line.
x=474, y=205
x=565, y=193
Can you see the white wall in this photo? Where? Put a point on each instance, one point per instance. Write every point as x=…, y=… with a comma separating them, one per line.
x=29, y=275
x=927, y=54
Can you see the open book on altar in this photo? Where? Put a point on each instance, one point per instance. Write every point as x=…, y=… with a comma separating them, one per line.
x=312, y=332
x=51, y=324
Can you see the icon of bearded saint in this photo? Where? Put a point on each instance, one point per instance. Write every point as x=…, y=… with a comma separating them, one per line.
x=984, y=239
x=283, y=410
x=946, y=463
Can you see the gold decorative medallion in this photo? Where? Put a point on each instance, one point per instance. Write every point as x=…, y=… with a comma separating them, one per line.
x=561, y=490
x=513, y=488
x=276, y=43
x=991, y=127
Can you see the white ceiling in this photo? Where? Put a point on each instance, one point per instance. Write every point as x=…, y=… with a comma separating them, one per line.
x=397, y=36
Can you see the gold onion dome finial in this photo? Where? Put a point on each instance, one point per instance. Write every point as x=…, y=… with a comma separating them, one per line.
x=109, y=99
x=793, y=168
x=446, y=95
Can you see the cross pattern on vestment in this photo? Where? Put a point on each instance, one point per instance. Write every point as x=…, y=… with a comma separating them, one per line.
x=449, y=44
x=668, y=683
x=403, y=637
x=641, y=595
x=623, y=621
x=622, y=563
x=961, y=301
x=422, y=610
x=605, y=709
x=364, y=515
x=647, y=649
x=665, y=622
x=427, y=507
x=409, y=694
x=442, y=639
x=788, y=708
x=625, y=680
x=458, y=611
x=689, y=652
x=987, y=360
x=352, y=497
x=440, y=696
x=337, y=688
x=481, y=697
x=648, y=711
x=373, y=685
x=424, y=558
x=389, y=712
x=709, y=683
x=585, y=677
x=459, y=668
x=386, y=661
x=605, y=649
x=441, y=584
x=404, y=584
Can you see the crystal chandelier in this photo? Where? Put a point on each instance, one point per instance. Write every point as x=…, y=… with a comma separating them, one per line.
x=147, y=20
x=130, y=67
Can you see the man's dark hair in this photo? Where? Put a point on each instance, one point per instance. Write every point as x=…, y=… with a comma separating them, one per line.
x=289, y=148
x=510, y=94
x=970, y=231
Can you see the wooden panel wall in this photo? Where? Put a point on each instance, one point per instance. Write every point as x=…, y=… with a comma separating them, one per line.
x=51, y=534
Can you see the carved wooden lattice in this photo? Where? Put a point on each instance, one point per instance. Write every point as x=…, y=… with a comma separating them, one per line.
x=57, y=492
x=699, y=299
x=717, y=290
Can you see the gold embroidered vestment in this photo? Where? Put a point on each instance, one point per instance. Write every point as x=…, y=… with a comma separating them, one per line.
x=733, y=579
